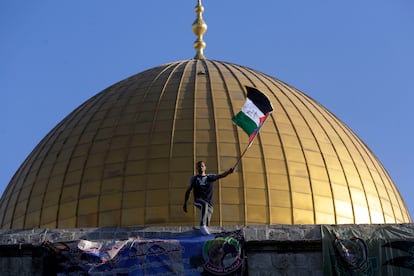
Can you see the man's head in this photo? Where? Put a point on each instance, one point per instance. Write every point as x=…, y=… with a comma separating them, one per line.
x=201, y=167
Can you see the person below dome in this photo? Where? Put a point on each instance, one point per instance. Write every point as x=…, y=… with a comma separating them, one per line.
x=203, y=185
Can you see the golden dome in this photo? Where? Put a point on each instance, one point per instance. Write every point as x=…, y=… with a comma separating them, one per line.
x=125, y=156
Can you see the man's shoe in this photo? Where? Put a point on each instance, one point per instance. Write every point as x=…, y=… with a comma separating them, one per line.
x=204, y=230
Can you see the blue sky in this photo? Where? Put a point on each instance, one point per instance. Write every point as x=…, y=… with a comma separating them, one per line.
x=354, y=57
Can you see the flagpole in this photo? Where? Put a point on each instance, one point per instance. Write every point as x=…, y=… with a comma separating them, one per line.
x=251, y=142
x=238, y=160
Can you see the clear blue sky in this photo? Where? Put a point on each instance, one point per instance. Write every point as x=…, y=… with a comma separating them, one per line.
x=354, y=57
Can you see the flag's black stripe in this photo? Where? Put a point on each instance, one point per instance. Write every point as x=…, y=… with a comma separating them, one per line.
x=259, y=99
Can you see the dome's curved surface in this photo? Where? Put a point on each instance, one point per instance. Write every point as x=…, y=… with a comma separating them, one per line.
x=125, y=156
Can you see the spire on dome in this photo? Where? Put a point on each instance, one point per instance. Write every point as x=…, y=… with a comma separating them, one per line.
x=199, y=28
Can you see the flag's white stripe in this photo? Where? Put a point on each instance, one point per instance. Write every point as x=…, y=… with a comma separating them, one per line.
x=251, y=110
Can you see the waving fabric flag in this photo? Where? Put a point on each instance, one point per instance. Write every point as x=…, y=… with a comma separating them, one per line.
x=254, y=112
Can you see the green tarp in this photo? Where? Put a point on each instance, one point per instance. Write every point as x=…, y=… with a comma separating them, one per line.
x=368, y=249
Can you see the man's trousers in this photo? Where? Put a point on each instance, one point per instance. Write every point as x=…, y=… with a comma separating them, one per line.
x=206, y=211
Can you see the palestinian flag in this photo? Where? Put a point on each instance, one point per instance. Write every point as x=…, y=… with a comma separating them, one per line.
x=254, y=112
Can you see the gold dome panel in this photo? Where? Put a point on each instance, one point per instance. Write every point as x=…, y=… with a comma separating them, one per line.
x=124, y=158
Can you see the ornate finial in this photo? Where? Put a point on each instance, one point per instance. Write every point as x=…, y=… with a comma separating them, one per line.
x=199, y=28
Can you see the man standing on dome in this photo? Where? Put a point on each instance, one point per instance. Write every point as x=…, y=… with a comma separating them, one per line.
x=203, y=185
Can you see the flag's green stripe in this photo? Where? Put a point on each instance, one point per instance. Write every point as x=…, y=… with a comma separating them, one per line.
x=243, y=121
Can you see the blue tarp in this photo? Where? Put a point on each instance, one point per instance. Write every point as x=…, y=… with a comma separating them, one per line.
x=191, y=254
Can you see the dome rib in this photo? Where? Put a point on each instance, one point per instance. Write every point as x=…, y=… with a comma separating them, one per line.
x=312, y=131
x=300, y=98
x=180, y=76
x=266, y=81
x=225, y=69
x=308, y=175
x=317, y=140
x=214, y=112
x=260, y=77
x=156, y=159
x=15, y=191
x=262, y=150
x=179, y=99
x=53, y=184
x=219, y=68
x=331, y=142
x=274, y=119
x=108, y=173
x=91, y=137
x=57, y=132
x=250, y=213
x=347, y=149
x=312, y=111
x=357, y=168
x=379, y=168
x=360, y=146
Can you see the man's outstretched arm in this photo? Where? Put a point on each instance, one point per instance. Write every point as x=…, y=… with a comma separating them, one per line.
x=226, y=173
